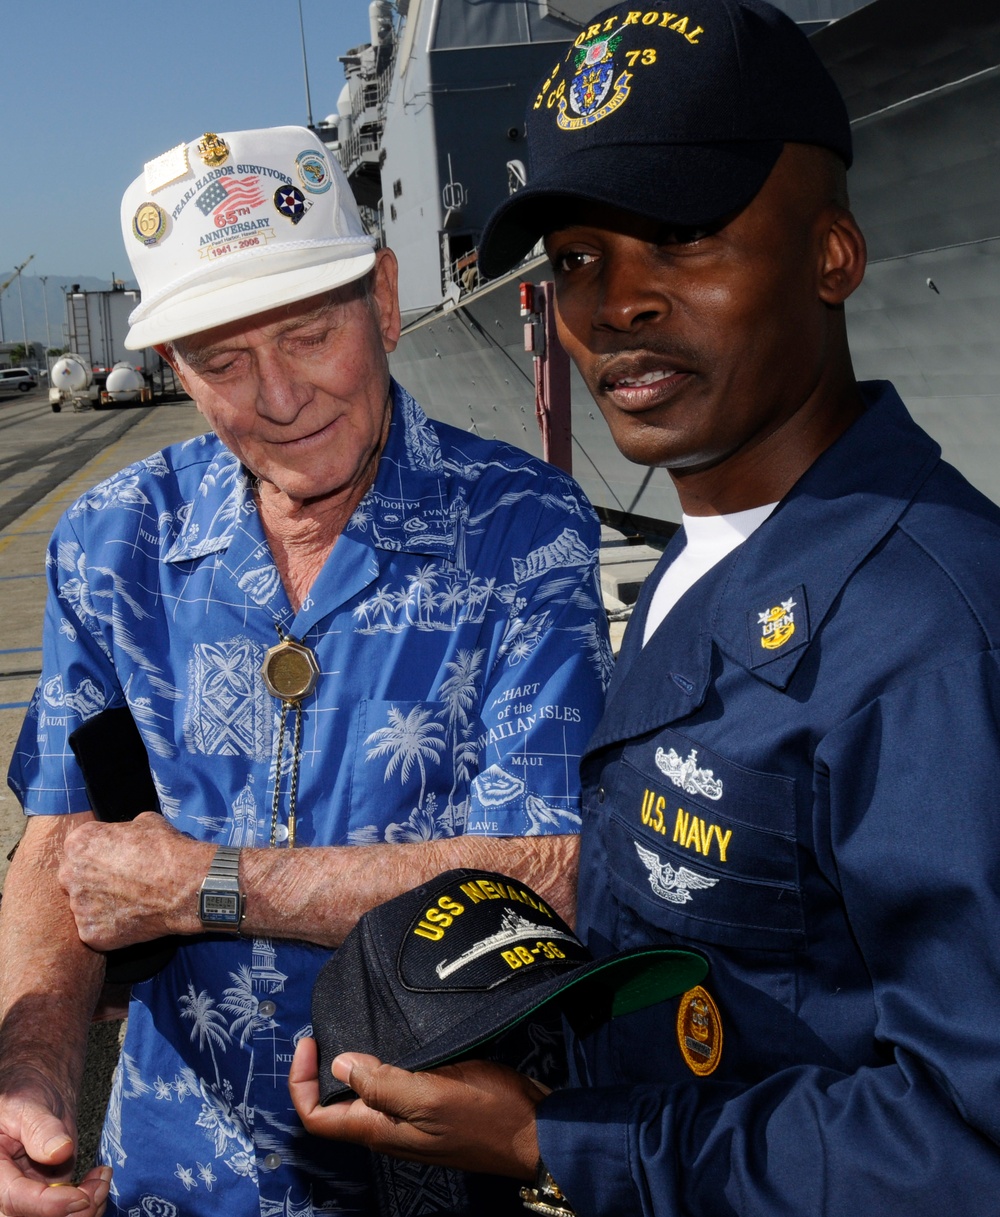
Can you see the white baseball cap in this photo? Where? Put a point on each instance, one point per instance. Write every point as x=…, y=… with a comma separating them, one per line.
x=232, y=224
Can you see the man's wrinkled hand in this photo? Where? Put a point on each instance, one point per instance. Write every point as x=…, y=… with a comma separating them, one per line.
x=476, y=1116
x=132, y=882
x=36, y=1166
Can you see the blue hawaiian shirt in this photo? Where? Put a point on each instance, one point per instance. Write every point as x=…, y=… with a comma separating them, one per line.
x=463, y=655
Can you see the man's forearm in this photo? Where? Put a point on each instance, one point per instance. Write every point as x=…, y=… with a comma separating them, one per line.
x=49, y=981
x=319, y=894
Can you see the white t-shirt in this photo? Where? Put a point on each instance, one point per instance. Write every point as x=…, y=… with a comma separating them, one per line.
x=709, y=539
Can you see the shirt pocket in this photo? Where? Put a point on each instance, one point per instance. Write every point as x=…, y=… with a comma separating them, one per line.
x=702, y=848
x=403, y=785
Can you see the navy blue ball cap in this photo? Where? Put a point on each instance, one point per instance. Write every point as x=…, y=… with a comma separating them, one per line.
x=678, y=116
x=440, y=971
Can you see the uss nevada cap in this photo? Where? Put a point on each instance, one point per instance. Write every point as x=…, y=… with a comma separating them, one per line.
x=441, y=970
x=677, y=114
x=231, y=224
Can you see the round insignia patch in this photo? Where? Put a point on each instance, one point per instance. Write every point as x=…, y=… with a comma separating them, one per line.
x=291, y=202
x=213, y=150
x=592, y=83
x=149, y=224
x=313, y=173
x=699, y=1031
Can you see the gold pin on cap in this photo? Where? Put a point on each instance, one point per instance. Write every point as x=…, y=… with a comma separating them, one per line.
x=290, y=671
x=213, y=150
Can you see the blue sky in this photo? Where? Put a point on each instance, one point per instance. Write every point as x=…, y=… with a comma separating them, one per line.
x=90, y=91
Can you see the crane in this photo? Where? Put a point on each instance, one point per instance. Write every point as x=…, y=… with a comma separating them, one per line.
x=3, y=287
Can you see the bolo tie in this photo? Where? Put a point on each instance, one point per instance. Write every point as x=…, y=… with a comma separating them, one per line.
x=290, y=672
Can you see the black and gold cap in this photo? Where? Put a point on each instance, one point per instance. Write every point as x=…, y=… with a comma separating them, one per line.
x=675, y=114
x=437, y=973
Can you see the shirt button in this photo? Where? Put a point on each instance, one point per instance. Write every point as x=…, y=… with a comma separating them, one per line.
x=272, y=1162
x=281, y=833
x=600, y=794
x=266, y=1009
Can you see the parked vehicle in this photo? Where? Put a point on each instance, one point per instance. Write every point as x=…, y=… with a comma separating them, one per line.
x=17, y=378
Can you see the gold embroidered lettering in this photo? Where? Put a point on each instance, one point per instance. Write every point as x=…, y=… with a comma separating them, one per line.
x=680, y=26
x=694, y=835
x=681, y=825
x=692, y=37
x=667, y=17
x=631, y=19
x=723, y=841
x=657, y=822
x=648, y=797
x=474, y=894
x=425, y=930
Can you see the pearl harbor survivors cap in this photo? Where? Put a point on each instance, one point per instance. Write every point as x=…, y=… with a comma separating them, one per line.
x=229, y=225
x=441, y=970
x=676, y=116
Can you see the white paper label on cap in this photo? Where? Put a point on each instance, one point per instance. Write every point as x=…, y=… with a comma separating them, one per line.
x=166, y=168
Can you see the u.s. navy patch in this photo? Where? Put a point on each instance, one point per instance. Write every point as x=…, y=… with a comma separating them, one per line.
x=699, y=1031
x=589, y=88
x=777, y=624
x=149, y=224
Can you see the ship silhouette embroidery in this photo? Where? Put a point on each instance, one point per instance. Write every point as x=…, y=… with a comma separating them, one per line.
x=687, y=775
x=515, y=929
x=668, y=883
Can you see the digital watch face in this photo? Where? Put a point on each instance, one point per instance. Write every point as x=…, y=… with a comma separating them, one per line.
x=219, y=906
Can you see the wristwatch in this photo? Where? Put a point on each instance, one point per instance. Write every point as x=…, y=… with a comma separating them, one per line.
x=221, y=904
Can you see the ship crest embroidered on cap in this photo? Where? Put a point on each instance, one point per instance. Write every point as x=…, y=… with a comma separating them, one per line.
x=777, y=624
x=595, y=72
x=699, y=1031
x=454, y=943
x=595, y=66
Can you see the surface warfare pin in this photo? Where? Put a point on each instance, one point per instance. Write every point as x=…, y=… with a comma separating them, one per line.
x=291, y=202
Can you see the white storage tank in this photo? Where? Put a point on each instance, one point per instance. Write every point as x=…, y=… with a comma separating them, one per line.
x=70, y=374
x=124, y=383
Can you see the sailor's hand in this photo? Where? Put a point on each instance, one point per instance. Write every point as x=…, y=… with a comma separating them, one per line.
x=36, y=1160
x=475, y=1116
x=133, y=882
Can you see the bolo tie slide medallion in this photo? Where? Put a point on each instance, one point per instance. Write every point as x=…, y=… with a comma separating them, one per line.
x=290, y=672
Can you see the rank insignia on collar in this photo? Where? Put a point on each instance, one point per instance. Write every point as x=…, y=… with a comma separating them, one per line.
x=213, y=150
x=777, y=624
x=699, y=1031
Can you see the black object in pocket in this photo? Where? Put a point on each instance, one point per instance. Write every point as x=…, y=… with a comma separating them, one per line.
x=115, y=766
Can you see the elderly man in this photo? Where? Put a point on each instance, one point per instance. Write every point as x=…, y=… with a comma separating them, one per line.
x=360, y=648
x=797, y=769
